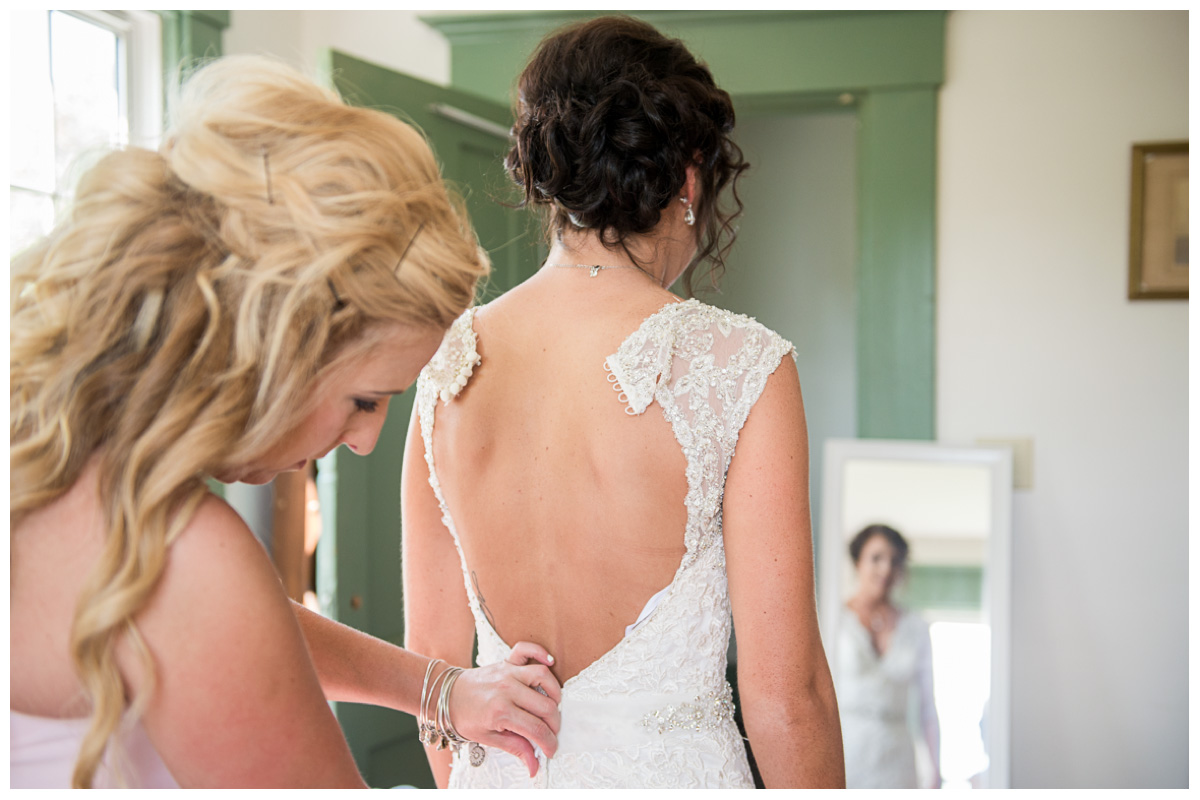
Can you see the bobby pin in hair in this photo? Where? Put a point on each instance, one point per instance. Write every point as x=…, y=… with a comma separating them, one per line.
x=338, y=302
x=267, y=170
x=408, y=246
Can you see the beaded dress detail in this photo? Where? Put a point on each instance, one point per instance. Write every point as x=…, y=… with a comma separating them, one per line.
x=655, y=710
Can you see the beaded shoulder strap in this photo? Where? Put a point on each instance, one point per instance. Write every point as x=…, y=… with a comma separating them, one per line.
x=442, y=379
x=454, y=362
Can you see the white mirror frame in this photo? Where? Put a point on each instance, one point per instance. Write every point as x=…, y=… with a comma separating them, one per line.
x=997, y=601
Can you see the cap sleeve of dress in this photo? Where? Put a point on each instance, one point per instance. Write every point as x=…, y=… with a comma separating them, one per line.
x=643, y=361
x=454, y=362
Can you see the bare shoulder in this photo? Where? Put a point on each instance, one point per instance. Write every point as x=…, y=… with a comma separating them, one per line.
x=230, y=658
x=578, y=304
x=782, y=392
x=215, y=529
x=217, y=554
x=217, y=580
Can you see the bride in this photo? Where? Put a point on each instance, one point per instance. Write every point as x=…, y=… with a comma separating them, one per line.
x=570, y=476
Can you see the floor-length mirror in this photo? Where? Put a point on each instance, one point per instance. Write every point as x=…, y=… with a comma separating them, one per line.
x=922, y=679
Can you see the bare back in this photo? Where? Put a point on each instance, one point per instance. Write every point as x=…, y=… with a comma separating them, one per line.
x=573, y=502
x=570, y=511
x=577, y=440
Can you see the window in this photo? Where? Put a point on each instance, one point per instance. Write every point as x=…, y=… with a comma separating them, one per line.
x=81, y=83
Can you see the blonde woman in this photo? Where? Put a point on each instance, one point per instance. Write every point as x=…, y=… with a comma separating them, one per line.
x=239, y=303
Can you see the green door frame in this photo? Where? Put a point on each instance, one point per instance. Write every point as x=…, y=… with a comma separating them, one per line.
x=187, y=37
x=889, y=65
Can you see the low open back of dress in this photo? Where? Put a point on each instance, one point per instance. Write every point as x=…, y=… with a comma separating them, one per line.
x=653, y=708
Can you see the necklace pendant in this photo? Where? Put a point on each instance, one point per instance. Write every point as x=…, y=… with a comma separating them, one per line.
x=595, y=270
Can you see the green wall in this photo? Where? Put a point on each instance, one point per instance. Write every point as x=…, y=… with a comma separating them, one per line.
x=885, y=65
x=188, y=36
x=793, y=267
x=945, y=588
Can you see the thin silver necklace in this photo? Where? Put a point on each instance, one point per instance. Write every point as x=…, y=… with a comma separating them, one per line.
x=594, y=269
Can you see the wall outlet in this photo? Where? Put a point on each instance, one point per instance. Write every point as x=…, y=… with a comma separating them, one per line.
x=1022, y=456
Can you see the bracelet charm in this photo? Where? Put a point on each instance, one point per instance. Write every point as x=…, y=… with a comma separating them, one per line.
x=435, y=729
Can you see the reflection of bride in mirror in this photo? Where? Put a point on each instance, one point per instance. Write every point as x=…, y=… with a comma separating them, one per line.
x=884, y=655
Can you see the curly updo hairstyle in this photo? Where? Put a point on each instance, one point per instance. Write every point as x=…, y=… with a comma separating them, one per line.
x=610, y=113
x=179, y=319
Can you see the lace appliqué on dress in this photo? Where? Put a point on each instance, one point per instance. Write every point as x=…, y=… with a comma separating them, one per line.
x=454, y=362
x=655, y=710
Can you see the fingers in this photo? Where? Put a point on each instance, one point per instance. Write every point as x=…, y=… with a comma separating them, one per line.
x=533, y=730
x=544, y=708
x=517, y=746
x=498, y=698
x=524, y=652
x=521, y=699
x=535, y=676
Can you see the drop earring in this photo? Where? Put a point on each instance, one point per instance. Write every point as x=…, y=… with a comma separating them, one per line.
x=689, y=218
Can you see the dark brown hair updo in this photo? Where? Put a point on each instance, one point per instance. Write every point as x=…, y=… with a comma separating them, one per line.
x=890, y=534
x=609, y=115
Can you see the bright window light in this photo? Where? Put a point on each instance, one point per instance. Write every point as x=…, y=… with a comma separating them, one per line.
x=89, y=81
x=961, y=685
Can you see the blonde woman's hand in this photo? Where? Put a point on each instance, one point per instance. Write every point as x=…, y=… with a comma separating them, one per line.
x=500, y=706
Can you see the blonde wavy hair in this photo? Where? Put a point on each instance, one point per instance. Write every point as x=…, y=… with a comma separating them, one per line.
x=176, y=321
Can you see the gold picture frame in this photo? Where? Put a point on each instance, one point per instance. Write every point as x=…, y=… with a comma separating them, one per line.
x=1158, y=221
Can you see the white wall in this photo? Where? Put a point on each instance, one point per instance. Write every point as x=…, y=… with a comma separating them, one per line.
x=394, y=39
x=1036, y=338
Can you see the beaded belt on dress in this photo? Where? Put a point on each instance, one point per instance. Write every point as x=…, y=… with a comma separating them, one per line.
x=707, y=712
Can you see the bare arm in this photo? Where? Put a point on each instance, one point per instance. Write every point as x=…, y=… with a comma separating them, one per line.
x=236, y=701
x=438, y=622
x=355, y=667
x=784, y=683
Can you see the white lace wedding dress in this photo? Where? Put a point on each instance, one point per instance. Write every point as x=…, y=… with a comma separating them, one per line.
x=655, y=710
x=874, y=697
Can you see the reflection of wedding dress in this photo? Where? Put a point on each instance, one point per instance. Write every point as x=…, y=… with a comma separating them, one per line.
x=873, y=694
x=655, y=710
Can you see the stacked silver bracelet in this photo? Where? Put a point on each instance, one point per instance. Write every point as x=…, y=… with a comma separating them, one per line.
x=436, y=729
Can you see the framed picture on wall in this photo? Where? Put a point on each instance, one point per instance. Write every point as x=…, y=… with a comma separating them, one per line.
x=1158, y=223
